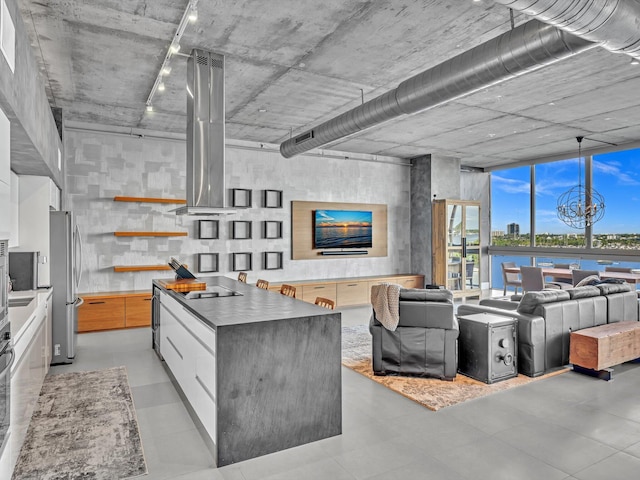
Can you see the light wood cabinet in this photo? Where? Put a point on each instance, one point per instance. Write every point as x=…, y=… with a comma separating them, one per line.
x=97, y=313
x=345, y=291
x=114, y=310
x=314, y=290
x=352, y=293
x=137, y=311
x=456, y=246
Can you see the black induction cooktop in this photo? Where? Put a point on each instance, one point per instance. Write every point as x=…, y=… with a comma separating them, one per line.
x=212, y=291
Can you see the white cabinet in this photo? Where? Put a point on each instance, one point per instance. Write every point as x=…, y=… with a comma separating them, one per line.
x=188, y=346
x=27, y=375
x=5, y=458
x=14, y=211
x=54, y=196
x=5, y=176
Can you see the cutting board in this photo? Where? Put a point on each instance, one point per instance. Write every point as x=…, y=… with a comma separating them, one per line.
x=183, y=284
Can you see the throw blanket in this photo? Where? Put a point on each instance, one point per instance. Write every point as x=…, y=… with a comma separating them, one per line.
x=386, y=304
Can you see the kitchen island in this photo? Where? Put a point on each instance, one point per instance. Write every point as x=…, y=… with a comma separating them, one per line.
x=260, y=371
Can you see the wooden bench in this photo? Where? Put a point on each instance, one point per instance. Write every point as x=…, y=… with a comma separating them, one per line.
x=594, y=350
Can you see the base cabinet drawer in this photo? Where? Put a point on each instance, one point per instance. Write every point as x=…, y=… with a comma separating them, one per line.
x=101, y=314
x=410, y=282
x=352, y=293
x=312, y=291
x=138, y=311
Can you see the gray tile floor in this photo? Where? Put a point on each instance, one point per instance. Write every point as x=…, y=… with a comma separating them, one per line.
x=564, y=427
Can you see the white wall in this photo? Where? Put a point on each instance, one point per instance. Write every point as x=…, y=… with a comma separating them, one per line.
x=34, y=194
x=101, y=165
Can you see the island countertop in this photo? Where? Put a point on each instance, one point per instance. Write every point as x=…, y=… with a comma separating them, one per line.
x=264, y=377
x=252, y=305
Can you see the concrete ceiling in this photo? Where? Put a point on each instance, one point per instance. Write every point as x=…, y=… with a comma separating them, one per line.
x=305, y=61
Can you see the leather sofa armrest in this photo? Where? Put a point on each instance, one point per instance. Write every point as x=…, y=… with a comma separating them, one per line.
x=504, y=303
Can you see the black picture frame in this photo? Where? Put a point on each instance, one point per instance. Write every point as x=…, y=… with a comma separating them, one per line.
x=241, y=229
x=271, y=229
x=208, y=262
x=208, y=229
x=241, y=198
x=242, y=261
x=272, y=260
x=272, y=198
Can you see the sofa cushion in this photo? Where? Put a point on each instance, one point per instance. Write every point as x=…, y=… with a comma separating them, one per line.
x=607, y=288
x=583, y=292
x=531, y=300
x=426, y=295
x=590, y=280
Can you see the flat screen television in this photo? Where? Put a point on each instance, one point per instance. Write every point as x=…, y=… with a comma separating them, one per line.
x=342, y=229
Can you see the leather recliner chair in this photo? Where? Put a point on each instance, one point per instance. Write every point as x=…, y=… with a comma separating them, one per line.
x=425, y=343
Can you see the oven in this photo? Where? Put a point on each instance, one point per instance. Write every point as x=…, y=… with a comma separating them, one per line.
x=7, y=356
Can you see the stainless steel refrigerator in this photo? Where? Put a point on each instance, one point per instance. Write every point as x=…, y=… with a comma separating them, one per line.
x=66, y=270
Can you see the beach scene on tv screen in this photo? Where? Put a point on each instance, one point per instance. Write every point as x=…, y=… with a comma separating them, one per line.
x=342, y=229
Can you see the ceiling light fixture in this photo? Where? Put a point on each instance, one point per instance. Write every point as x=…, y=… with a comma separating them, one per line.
x=173, y=49
x=635, y=61
x=193, y=14
x=578, y=207
x=149, y=107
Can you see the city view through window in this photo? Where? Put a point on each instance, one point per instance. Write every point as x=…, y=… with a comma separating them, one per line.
x=615, y=176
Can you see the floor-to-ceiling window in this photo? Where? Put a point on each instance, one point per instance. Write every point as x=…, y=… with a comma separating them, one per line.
x=524, y=203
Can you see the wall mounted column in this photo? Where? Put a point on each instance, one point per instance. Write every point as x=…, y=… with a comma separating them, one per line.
x=432, y=176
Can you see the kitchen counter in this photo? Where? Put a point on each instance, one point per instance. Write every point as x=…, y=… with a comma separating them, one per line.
x=252, y=305
x=20, y=316
x=261, y=371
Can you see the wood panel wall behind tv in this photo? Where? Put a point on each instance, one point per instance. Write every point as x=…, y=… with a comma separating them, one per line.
x=302, y=214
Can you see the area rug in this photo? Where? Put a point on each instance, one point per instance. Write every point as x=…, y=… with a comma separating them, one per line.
x=84, y=426
x=431, y=393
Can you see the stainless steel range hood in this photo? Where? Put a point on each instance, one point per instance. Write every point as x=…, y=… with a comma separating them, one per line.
x=206, y=190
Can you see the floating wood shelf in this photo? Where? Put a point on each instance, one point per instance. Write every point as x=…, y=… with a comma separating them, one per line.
x=148, y=199
x=139, y=268
x=150, y=234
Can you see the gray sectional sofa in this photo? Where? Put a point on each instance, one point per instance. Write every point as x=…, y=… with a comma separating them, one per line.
x=546, y=319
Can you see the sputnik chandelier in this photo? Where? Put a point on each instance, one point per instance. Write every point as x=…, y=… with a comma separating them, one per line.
x=578, y=207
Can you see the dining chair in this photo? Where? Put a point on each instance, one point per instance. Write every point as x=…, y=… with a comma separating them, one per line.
x=262, y=284
x=326, y=303
x=288, y=290
x=533, y=280
x=609, y=268
x=566, y=266
x=510, y=279
x=578, y=275
x=242, y=277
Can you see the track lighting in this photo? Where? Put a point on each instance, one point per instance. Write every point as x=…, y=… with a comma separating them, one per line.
x=193, y=14
x=190, y=14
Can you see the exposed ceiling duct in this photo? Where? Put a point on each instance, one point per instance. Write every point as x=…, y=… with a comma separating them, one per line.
x=523, y=49
x=612, y=24
x=206, y=190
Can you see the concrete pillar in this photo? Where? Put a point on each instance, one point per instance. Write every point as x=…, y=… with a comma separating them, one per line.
x=432, y=176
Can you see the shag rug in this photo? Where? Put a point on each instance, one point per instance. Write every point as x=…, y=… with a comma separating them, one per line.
x=84, y=426
x=429, y=392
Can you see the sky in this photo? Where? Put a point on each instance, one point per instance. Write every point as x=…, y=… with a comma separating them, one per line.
x=341, y=217
x=616, y=176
